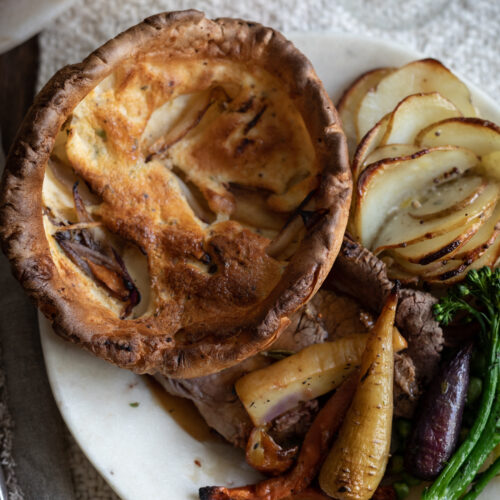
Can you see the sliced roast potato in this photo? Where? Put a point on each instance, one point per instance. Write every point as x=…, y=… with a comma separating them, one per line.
x=457, y=272
x=386, y=185
x=349, y=103
x=414, y=113
x=391, y=151
x=480, y=136
x=483, y=239
x=429, y=270
x=448, y=198
x=368, y=145
x=427, y=75
x=443, y=246
x=490, y=165
x=402, y=230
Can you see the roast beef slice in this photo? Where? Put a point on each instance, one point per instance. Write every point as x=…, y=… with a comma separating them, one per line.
x=218, y=403
x=358, y=287
x=361, y=275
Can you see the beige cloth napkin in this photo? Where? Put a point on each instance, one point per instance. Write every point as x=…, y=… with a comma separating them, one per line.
x=462, y=33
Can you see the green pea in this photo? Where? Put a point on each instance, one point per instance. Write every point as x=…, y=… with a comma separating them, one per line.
x=412, y=481
x=397, y=464
x=478, y=363
x=402, y=489
x=403, y=427
x=475, y=389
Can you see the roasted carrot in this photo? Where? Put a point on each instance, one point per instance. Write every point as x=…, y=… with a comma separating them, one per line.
x=314, y=448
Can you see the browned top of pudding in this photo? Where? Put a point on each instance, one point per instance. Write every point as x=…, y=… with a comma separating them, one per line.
x=197, y=164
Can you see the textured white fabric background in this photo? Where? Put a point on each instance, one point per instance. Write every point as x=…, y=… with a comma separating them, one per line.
x=463, y=34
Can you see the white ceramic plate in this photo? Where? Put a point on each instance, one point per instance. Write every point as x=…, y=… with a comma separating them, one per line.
x=140, y=450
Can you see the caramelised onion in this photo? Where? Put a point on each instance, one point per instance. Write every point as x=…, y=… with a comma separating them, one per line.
x=96, y=259
x=302, y=218
x=188, y=121
x=199, y=210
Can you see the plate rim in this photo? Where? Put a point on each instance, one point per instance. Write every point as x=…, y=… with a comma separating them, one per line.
x=481, y=99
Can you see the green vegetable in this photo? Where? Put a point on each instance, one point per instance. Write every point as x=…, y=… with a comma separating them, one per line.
x=396, y=465
x=475, y=389
x=483, y=479
x=134, y=405
x=478, y=298
x=403, y=427
x=410, y=480
x=402, y=489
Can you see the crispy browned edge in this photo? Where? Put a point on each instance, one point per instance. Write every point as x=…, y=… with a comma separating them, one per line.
x=187, y=34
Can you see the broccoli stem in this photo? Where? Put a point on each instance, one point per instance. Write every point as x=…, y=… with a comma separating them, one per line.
x=483, y=480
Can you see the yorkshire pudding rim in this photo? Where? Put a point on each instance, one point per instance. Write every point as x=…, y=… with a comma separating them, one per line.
x=21, y=221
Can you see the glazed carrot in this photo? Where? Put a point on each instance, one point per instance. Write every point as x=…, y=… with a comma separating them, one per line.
x=316, y=444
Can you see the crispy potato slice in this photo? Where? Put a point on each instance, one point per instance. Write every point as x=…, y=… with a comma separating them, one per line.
x=385, y=186
x=414, y=113
x=459, y=271
x=402, y=230
x=450, y=197
x=480, y=136
x=368, y=145
x=446, y=270
x=357, y=461
x=396, y=272
x=390, y=151
x=441, y=247
x=483, y=239
x=490, y=165
x=427, y=75
x=349, y=103
x=430, y=270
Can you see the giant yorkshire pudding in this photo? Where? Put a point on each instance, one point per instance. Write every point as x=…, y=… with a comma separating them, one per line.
x=172, y=199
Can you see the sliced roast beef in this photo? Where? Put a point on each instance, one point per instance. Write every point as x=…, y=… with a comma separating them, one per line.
x=352, y=296
x=340, y=314
x=216, y=399
x=289, y=429
x=360, y=274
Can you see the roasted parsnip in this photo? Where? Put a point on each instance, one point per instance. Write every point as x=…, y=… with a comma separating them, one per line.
x=357, y=461
x=265, y=455
x=315, y=446
x=310, y=373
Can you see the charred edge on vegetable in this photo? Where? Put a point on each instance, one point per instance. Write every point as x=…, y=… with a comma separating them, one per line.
x=440, y=253
x=453, y=272
x=98, y=261
x=215, y=95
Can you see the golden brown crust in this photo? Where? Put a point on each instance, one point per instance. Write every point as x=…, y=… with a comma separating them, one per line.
x=142, y=345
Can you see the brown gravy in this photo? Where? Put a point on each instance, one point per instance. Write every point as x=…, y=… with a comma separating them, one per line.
x=183, y=411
